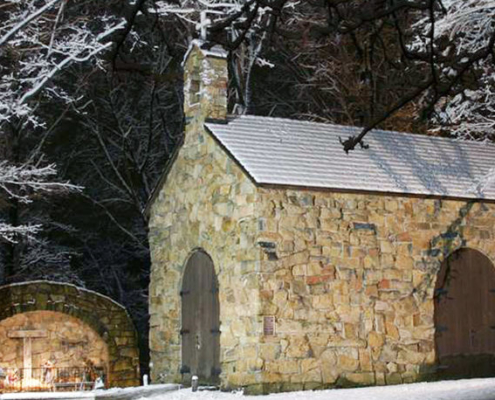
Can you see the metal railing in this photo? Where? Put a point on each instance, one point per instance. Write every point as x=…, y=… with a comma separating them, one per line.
x=50, y=379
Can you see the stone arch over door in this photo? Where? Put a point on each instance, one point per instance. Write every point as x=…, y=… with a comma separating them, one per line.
x=464, y=317
x=200, y=319
x=106, y=317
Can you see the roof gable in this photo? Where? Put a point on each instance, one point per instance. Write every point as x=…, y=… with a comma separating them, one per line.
x=278, y=151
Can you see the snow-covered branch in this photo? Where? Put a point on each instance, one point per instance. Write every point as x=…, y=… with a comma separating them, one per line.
x=21, y=24
x=19, y=181
x=463, y=42
x=65, y=62
x=39, y=43
x=241, y=26
x=11, y=233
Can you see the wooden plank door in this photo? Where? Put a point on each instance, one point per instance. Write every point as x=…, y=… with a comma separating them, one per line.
x=465, y=315
x=200, y=320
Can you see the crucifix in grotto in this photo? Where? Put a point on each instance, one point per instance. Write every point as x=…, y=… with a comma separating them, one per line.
x=27, y=336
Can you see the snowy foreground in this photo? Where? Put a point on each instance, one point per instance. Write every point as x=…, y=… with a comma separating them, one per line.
x=468, y=389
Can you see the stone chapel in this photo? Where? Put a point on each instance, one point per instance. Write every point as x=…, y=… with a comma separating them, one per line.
x=279, y=262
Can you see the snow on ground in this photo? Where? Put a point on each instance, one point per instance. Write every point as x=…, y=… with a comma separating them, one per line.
x=106, y=394
x=467, y=389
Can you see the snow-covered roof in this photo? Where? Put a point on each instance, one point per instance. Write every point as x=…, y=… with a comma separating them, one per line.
x=276, y=151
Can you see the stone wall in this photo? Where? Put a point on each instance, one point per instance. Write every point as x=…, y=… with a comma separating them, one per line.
x=104, y=316
x=207, y=202
x=349, y=279
x=68, y=342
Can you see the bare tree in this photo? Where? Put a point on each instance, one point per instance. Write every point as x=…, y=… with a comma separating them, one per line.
x=448, y=43
x=38, y=40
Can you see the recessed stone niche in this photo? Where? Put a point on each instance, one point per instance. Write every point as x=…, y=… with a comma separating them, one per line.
x=60, y=339
x=56, y=330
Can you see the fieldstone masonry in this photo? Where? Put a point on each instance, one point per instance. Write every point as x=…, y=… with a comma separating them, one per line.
x=348, y=277
x=208, y=203
x=70, y=314
x=351, y=283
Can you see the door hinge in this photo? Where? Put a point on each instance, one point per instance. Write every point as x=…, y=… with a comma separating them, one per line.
x=215, y=331
x=184, y=331
x=442, y=328
x=184, y=292
x=215, y=371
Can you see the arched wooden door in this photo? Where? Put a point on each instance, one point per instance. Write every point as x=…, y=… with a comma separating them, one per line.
x=465, y=315
x=200, y=320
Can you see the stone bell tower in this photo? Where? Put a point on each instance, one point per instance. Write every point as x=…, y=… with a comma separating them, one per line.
x=205, y=83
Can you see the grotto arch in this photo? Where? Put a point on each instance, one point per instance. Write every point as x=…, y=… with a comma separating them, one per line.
x=46, y=350
x=104, y=316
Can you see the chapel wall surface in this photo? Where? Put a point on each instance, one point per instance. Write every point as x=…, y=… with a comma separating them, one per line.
x=350, y=278
x=206, y=203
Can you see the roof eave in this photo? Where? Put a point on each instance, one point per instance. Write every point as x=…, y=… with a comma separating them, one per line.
x=268, y=185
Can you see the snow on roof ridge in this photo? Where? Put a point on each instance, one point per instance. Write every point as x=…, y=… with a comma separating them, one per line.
x=79, y=288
